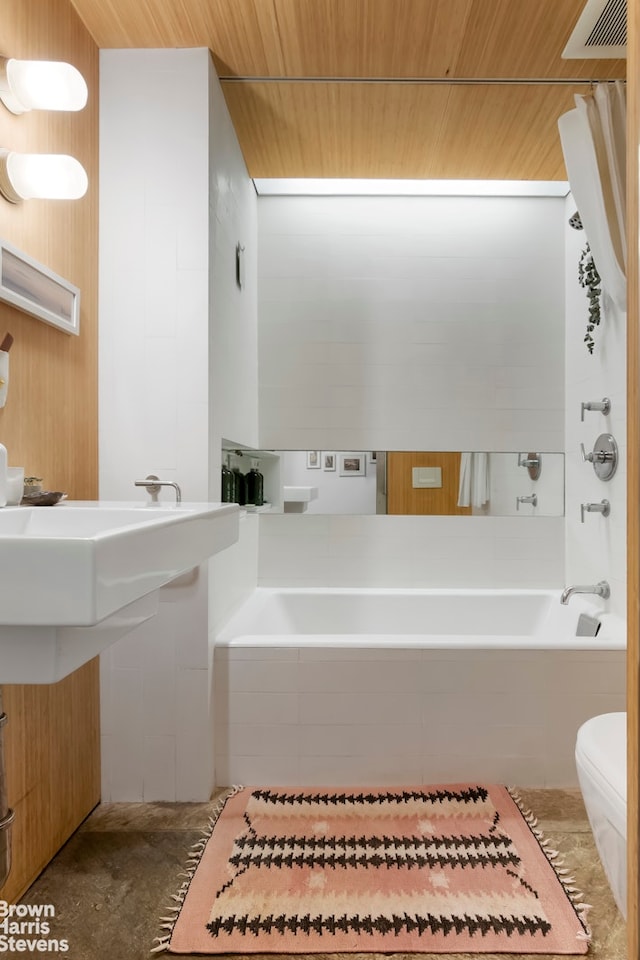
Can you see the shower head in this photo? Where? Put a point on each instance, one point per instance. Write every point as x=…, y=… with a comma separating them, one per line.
x=575, y=221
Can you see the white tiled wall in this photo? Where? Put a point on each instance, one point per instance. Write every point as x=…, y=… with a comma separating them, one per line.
x=233, y=342
x=595, y=550
x=411, y=551
x=153, y=270
x=175, y=199
x=233, y=574
x=418, y=323
x=411, y=323
x=340, y=716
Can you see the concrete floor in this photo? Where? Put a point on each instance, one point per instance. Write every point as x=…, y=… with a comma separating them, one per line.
x=114, y=878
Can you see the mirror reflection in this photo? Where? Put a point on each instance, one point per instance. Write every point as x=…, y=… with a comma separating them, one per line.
x=437, y=483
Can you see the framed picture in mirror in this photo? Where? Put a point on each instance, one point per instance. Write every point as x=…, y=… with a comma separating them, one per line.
x=352, y=465
x=313, y=459
x=328, y=461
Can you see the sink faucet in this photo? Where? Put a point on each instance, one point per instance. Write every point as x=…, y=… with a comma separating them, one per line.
x=600, y=589
x=153, y=484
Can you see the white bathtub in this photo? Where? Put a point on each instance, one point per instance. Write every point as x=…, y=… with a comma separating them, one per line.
x=390, y=686
x=433, y=619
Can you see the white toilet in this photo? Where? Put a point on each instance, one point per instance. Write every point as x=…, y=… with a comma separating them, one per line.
x=601, y=761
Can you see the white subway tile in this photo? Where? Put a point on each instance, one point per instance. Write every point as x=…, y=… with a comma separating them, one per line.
x=159, y=703
x=358, y=708
x=374, y=677
x=159, y=774
x=258, y=771
x=126, y=701
x=258, y=676
x=232, y=707
x=107, y=747
x=127, y=764
x=359, y=771
x=360, y=655
x=258, y=740
x=363, y=740
x=259, y=654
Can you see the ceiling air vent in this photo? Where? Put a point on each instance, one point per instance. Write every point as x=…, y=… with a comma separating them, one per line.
x=601, y=31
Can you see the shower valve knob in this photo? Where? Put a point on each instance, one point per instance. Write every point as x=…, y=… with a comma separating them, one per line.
x=604, y=507
x=604, y=456
x=604, y=406
x=596, y=456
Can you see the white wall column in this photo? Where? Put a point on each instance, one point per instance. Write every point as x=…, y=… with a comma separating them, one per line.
x=174, y=195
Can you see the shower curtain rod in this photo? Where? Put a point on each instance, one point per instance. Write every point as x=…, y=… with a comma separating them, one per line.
x=424, y=81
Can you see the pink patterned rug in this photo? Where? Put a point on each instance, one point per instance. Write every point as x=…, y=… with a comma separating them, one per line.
x=443, y=869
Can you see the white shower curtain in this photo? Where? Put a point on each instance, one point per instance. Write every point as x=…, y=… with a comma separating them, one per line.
x=593, y=140
x=473, y=490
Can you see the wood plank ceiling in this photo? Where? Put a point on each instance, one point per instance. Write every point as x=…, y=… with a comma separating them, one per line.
x=378, y=88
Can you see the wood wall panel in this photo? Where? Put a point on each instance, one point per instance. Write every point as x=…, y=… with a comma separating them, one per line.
x=402, y=498
x=633, y=482
x=384, y=130
x=49, y=426
x=53, y=740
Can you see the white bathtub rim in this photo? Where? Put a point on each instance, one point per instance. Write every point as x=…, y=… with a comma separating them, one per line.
x=408, y=641
x=412, y=591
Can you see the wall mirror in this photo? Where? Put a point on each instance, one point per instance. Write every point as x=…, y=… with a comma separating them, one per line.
x=521, y=483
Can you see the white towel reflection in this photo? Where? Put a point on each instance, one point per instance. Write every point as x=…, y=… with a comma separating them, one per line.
x=473, y=490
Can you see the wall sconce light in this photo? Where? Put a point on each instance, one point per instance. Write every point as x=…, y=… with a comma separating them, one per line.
x=41, y=85
x=41, y=176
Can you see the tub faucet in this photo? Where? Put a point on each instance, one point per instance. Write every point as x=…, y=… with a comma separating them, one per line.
x=601, y=589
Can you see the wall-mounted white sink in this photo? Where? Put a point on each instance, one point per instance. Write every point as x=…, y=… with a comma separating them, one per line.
x=77, y=576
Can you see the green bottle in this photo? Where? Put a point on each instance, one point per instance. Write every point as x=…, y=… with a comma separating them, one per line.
x=239, y=486
x=227, y=492
x=255, y=485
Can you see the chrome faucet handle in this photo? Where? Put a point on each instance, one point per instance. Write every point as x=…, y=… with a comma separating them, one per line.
x=604, y=507
x=532, y=462
x=604, y=406
x=587, y=457
x=533, y=500
x=153, y=485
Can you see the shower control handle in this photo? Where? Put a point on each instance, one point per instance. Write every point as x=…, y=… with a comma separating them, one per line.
x=604, y=456
x=604, y=507
x=604, y=406
x=533, y=500
x=597, y=456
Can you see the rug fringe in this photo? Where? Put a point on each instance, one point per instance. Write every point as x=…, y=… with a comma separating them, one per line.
x=195, y=853
x=574, y=895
